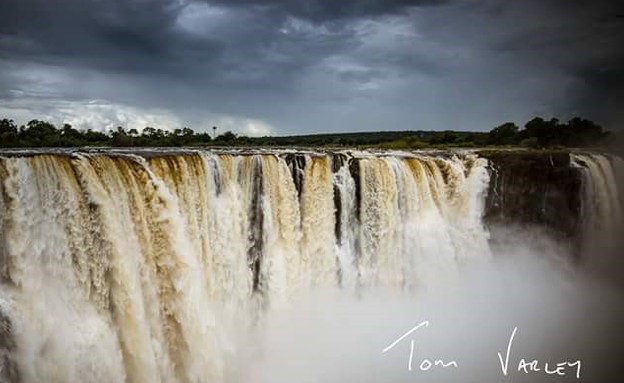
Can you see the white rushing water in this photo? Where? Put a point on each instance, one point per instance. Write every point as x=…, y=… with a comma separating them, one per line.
x=116, y=267
x=601, y=211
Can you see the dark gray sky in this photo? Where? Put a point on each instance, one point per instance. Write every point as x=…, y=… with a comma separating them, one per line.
x=304, y=66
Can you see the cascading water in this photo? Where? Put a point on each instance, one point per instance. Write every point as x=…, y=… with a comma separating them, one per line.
x=601, y=212
x=118, y=267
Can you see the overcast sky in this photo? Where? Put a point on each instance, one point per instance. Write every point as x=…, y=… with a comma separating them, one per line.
x=305, y=66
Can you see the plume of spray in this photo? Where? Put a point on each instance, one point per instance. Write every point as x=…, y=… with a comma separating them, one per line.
x=560, y=313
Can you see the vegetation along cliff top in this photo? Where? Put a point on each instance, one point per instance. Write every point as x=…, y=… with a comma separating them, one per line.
x=537, y=133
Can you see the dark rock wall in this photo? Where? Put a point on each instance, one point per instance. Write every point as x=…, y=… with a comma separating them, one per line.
x=535, y=189
x=8, y=367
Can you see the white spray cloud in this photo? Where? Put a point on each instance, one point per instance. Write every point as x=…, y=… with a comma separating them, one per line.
x=561, y=316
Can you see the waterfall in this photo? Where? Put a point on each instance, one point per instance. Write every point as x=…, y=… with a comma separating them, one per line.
x=601, y=209
x=144, y=267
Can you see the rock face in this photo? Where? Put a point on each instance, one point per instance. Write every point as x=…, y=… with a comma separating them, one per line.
x=535, y=189
x=8, y=368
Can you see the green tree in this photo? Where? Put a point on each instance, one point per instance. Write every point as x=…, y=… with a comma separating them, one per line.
x=8, y=133
x=581, y=132
x=505, y=134
x=96, y=138
x=544, y=132
x=226, y=138
x=121, y=138
x=39, y=133
x=443, y=138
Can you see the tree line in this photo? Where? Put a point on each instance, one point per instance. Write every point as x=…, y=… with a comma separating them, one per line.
x=536, y=133
x=541, y=133
x=37, y=133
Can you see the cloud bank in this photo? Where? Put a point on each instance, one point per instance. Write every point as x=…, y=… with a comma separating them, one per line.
x=289, y=67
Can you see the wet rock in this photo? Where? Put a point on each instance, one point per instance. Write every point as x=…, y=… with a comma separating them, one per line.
x=536, y=189
x=8, y=367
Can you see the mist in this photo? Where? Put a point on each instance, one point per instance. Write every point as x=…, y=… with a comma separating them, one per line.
x=563, y=312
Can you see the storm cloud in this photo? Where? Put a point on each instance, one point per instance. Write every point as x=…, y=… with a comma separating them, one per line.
x=287, y=67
